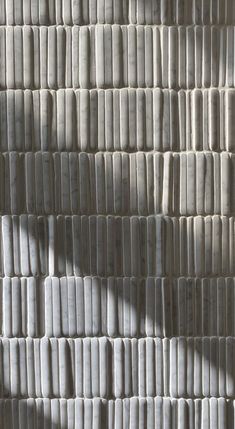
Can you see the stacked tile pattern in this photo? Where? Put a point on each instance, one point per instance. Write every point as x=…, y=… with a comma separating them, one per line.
x=117, y=202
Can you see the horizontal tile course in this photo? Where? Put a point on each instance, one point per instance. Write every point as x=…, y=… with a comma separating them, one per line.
x=121, y=119
x=117, y=246
x=116, y=56
x=118, y=183
x=117, y=307
x=116, y=368
x=82, y=12
x=208, y=413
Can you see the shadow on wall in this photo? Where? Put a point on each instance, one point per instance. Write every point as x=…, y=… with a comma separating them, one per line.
x=166, y=309
x=126, y=309
x=57, y=413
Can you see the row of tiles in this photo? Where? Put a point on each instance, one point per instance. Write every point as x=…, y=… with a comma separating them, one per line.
x=116, y=246
x=151, y=413
x=117, y=183
x=116, y=56
x=80, y=12
x=117, y=307
x=116, y=368
x=110, y=120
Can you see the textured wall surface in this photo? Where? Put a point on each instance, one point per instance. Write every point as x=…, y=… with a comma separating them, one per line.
x=117, y=205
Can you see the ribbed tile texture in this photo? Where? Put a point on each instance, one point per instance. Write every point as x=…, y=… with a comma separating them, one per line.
x=64, y=368
x=118, y=307
x=117, y=214
x=85, y=12
x=127, y=120
x=115, y=56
